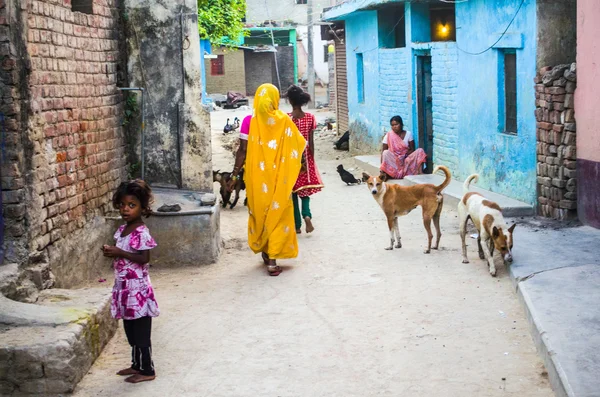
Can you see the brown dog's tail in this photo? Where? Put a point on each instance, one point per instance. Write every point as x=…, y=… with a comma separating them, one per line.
x=448, y=177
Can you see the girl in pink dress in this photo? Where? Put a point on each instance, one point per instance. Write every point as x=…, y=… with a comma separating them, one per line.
x=133, y=297
x=309, y=181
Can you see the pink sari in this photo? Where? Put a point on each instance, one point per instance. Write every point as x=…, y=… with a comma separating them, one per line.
x=395, y=161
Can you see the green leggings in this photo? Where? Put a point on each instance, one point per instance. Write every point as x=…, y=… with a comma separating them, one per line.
x=305, y=209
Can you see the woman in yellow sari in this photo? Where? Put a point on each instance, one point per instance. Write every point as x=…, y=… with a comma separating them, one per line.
x=271, y=157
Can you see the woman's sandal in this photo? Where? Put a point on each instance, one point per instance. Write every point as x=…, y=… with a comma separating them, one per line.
x=274, y=270
x=137, y=378
x=128, y=371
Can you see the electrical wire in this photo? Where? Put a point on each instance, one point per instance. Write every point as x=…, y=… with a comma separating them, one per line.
x=501, y=36
x=275, y=49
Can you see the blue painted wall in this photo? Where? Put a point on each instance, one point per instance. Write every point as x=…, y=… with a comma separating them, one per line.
x=362, y=37
x=394, y=87
x=204, y=47
x=465, y=88
x=506, y=164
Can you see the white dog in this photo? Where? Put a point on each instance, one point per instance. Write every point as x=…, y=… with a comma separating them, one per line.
x=487, y=218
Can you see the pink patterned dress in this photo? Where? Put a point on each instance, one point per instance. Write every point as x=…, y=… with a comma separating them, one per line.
x=396, y=162
x=309, y=182
x=132, y=295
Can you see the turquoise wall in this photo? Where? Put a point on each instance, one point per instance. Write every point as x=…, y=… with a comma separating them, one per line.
x=362, y=37
x=506, y=164
x=466, y=90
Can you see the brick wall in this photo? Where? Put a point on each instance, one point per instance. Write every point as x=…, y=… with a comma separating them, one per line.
x=393, y=87
x=556, y=142
x=444, y=66
x=259, y=70
x=234, y=78
x=70, y=157
x=286, y=60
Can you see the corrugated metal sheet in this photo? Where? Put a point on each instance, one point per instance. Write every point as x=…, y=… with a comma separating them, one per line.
x=341, y=87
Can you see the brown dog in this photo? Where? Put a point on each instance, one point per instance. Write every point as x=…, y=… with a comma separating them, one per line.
x=396, y=200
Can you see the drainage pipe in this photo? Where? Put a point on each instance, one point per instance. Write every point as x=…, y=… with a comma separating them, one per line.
x=143, y=149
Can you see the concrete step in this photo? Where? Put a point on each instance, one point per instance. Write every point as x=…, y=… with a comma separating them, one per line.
x=454, y=192
x=47, y=347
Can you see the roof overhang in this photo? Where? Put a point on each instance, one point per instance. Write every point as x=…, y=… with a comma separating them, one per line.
x=341, y=11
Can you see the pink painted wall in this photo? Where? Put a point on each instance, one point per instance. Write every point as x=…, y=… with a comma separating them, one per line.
x=587, y=94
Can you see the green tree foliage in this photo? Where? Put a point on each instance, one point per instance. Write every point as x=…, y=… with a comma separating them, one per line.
x=221, y=18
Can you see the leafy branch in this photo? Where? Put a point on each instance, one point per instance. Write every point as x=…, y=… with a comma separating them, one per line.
x=221, y=18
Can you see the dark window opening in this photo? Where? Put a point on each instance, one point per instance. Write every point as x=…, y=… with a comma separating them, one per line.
x=391, y=27
x=85, y=6
x=510, y=93
x=217, y=66
x=443, y=22
x=301, y=1
x=326, y=52
x=360, y=75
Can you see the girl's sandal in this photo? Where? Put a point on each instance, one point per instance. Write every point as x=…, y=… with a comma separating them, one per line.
x=274, y=270
x=128, y=371
x=137, y=378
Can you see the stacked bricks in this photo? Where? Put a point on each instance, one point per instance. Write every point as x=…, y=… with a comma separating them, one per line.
x=556, y=142
x=74, y=157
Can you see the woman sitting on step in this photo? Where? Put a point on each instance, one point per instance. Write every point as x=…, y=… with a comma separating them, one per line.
x=398, y=155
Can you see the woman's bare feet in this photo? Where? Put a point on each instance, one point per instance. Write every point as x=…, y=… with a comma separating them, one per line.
x=128, y=371
x=140, y=378
x=309, y=226
x=298, y=231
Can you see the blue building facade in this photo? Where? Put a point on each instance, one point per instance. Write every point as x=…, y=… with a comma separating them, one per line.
x=460, y=75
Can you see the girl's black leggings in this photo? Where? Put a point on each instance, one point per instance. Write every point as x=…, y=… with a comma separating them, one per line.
x=138, y=335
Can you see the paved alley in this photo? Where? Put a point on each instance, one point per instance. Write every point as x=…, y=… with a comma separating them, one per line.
x=346, y=318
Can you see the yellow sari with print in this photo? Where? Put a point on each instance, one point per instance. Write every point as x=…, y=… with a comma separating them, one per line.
x=272, y=165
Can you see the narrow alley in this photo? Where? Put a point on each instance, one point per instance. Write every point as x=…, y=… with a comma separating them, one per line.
x=346, y=318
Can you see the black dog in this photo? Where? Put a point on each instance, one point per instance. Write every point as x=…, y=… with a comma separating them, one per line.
x=347, y=177
x=344, y=142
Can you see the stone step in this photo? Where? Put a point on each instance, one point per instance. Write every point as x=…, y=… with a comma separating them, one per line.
x=50, y=346
x=454, y=192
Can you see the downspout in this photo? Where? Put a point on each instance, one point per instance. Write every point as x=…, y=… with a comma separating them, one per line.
x=143, y=148
x=293, y=40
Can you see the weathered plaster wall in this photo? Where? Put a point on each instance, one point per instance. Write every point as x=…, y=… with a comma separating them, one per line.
x=506, y=164
x=556, y=16
x=364, y=118
x=586, y=98
x=177, y=128
x=234, y=78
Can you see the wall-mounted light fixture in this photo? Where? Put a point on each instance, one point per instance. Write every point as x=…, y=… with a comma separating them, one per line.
x=443, y=27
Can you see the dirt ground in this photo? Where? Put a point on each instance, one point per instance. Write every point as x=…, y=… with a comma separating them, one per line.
x=346, y=318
